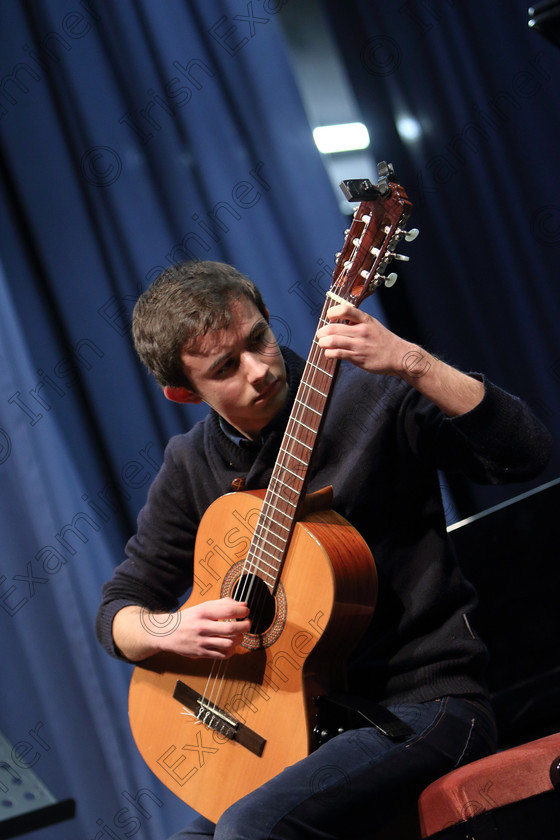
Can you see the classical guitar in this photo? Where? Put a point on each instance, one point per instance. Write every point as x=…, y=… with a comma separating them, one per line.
x=213, y=731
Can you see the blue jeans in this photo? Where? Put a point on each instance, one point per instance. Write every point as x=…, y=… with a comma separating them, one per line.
x=360, y=785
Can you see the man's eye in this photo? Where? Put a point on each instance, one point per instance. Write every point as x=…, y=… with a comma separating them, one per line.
x=225, y=367
x=258, y=339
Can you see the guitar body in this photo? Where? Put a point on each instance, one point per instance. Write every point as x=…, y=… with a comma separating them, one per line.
x=297, y=649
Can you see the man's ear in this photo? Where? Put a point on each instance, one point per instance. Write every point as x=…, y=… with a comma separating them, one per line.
x=181, y=395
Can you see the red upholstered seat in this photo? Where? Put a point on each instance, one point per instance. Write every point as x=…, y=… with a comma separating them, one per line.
x=490, y=783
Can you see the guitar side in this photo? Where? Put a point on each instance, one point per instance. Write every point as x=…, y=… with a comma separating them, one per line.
x=322, y=607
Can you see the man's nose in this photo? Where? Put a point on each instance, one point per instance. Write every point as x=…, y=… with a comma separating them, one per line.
x=255, y=367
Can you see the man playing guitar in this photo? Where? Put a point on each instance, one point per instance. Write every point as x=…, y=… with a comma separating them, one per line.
x=202, y=329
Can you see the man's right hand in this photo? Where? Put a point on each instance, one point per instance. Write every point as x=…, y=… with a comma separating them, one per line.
x=210, y=630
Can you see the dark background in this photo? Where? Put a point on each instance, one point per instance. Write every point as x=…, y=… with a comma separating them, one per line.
x=125, y=127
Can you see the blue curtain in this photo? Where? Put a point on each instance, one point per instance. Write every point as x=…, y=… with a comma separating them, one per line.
x=133, y=134
x=475, y=93
x=136, y=133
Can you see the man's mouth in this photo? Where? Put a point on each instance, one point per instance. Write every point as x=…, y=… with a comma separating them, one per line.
x=268, y=391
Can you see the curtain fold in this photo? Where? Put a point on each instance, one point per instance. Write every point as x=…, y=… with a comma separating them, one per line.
x=62, y=698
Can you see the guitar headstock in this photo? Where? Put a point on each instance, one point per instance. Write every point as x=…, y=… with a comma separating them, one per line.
x=378, y=225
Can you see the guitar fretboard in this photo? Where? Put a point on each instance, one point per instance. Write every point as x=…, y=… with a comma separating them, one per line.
x=376, y=228
x=276, y=521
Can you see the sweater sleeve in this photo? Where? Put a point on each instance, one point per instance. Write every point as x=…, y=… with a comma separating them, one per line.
x=157, y=571
x=498, y=441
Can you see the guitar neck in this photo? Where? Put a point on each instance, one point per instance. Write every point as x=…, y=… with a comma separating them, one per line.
x=378, y=225
x=289, y=476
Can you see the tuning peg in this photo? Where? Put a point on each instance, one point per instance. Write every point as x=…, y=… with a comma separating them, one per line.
x=401, y=257
x=409, y=235
x=380, y=280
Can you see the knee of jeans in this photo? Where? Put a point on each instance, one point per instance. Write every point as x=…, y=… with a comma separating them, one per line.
x=236, y=823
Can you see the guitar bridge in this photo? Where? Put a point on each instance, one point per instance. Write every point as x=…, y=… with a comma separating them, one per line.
x=210, y=715
x=218, y=719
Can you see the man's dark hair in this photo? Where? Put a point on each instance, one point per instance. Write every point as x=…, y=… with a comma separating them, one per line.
x=185, y=302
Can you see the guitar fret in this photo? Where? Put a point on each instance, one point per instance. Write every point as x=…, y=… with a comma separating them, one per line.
x=291, y=454
x=312, y=425
x=258, y=563
x=283, y=486
x=271, y=543
x=274, y=540
x=307, y=408
x=291, y=472
x=284, y=499
x=305, y=426
x=295, y=457
x=309, y=385
x=276, y=513
x=319, y=368
x=277, y=523
x=277, y=490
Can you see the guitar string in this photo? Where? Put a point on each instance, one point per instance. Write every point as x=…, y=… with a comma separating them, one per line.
x=215, y=682
x=212, y=696
x=295, y=421
x=218, y=669
x=216, y=678
x=313, y=363
x=258, y=546
x=270, y=506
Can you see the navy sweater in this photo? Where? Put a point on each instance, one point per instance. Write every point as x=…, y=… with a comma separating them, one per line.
x=381, y=447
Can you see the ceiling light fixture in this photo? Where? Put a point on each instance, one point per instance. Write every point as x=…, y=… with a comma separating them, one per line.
x=346, y=137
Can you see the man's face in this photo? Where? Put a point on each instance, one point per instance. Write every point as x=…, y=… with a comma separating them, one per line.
x=239, y=371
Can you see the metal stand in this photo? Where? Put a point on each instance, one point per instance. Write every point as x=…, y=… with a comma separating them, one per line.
x=26, y=804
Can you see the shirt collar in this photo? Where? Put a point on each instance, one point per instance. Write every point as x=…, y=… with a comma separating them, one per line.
x=235, y=436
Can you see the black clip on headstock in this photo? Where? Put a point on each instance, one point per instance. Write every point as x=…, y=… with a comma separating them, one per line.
x=361, y=189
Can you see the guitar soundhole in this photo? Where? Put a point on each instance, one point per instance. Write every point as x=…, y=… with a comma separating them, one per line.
x=262, y=605
x=266, y=611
